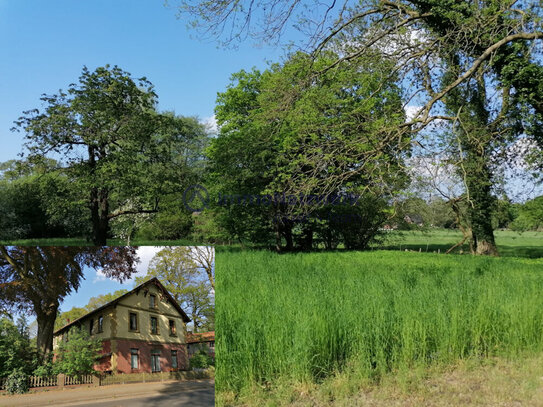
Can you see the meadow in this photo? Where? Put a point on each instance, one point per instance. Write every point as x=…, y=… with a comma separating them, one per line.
x=510, y=243
x=294, y=321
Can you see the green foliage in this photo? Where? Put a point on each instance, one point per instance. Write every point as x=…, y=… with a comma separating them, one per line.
x=277, y=129
x=30, y=205
x=16, y=352
x=529, y=215
x=122, y=156
x=77, y=355
x=201, y=360
x=17, y=382
x=307, y=316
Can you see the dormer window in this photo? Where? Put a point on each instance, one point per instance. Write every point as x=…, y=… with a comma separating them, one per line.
x=152, y=301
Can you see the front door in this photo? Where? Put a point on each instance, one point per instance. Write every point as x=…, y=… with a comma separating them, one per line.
x=155, y=363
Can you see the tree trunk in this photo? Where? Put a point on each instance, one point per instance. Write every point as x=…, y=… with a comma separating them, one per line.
x=46, y=327
x=287, y=233
x=99, y=216
x=480, y=204
x=307, y=239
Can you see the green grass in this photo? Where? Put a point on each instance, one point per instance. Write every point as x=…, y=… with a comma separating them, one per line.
x=306, y=318
x=85, y=242
x=510, y=244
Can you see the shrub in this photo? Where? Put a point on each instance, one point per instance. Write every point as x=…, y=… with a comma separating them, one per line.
x=17, y=382
x=77, y=355
x=201, y=360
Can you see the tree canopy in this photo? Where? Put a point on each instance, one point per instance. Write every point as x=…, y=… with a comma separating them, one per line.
x=468, y=70
x=119, y=153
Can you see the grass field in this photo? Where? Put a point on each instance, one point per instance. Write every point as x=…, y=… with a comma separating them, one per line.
x=510, y=244
x=336, y=322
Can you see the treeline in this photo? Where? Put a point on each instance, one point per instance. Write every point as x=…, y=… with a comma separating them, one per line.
x=439, y=213
x=305, y=161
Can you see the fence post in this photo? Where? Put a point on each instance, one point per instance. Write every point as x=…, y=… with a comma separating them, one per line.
x=95, y=381
x=60, y=380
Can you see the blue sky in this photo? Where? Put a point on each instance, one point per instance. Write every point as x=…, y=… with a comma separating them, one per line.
x=96, y=283
x=45, y=44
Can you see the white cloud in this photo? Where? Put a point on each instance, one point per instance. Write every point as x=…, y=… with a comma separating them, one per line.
x=211, y=124
x=100, y=276
x=411, y=111
x=145, y=254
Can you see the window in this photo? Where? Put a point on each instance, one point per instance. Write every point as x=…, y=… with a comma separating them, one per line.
x=154, y=325
x=152, y=301
x=133, y=321
x=91, y=325
x=100, y=323
x=172, y=327
x=174, y=359
x=212, y=345
x=134, y=359
x=155, y=360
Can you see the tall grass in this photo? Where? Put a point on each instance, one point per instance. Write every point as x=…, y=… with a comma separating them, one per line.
x=305, y=317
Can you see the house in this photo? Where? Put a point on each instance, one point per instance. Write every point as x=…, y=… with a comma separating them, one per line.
x=143, y=330
x=203, y=340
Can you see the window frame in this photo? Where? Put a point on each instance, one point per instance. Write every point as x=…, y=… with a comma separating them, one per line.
x=134, y=352
x=156, y=325
x=175, y=365
x=154, y=303
x=100, y=324
x=91, y=326
x=137, y=329
x=171, y=324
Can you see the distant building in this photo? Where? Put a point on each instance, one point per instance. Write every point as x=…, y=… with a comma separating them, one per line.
x=203, y=340
x=143, y=330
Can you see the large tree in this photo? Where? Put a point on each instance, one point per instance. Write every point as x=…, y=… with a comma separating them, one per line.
x=289, y=132
x=471, y=65
x=37, y=279
x=121, y=155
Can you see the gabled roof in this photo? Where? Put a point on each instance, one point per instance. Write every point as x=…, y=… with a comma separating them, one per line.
x=201, y=337
x=153, y=281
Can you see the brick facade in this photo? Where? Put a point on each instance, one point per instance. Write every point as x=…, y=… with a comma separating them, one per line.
x=104, y=363
x=144, y=348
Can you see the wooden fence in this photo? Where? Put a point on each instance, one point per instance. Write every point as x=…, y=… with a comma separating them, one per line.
x=59, y=380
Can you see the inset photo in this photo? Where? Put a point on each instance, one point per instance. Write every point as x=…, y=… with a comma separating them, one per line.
x=129, y=323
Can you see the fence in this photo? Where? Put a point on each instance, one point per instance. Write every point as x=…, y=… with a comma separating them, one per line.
x=121, y=378
x=59, y=380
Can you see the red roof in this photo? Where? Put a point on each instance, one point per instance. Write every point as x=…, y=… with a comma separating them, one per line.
x=201, y=337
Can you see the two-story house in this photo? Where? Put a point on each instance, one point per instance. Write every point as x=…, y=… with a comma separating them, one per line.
x=143, y=330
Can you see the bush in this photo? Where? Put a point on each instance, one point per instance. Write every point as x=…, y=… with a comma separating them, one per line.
x=201, y=360
x=17, y=382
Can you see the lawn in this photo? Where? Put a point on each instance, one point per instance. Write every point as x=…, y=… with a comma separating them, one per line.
x=510, y=244
x=332, y=322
